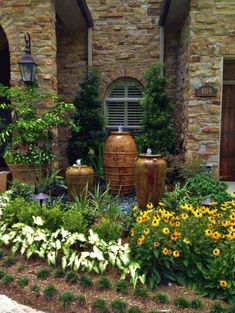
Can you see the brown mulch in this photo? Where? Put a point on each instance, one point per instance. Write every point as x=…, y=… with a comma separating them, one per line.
x=27, y=297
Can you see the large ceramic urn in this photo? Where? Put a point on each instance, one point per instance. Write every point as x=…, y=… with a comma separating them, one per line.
x=120, y=153
x=150, y=175
x=78, y=177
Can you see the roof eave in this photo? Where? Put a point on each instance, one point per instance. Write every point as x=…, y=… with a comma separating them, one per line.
x=85, y=12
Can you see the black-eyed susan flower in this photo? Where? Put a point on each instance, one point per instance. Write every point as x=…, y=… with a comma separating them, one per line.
x=176, y=254
x=165, y=251
x=208, y=232
x=146, y=231
x=216, y=252
x=156, y=244
x=139, y=220
x=165, y=231
x=186, y=241
x=223, y=283
x=149, y=206
x=155, y=222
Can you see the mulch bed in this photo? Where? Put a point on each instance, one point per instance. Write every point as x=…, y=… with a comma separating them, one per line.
x=36, y=300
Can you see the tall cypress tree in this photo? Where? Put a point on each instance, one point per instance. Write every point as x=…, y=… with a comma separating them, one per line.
x=88, y=133
x=156, y=124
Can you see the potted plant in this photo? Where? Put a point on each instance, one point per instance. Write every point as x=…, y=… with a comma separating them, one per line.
x=29, y=136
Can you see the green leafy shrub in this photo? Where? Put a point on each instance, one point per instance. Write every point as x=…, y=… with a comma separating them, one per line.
x=23, y=282
x=53, y=217
x=88, y=125
x=74, y=221
x=35, y=288
x=7, y=279
x=121, y=286
x=181, y=302
x=30, y=136
x=59, y=273
x=81, y=299
x=9, y=261
x=71, y=278
x=43, y=273
x=161, y=298
x=85, y=281
x=100, y=306
x=2, y=273
x=108, y=229
x=196, y=304
x=217, y=308
x=118, y=306
x=49, y=291
x=21, y=268
x=141, y=292
x=103, y=283
x=66, y=298
x=157, y=123
x=1, y=254
x=134, y=309
x=204, y=186
x=21, y=190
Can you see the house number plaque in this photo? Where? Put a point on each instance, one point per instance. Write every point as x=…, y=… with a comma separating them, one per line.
x=206, y=91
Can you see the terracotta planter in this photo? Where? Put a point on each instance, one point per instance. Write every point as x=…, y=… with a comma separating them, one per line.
x=26, y=173
x=119, y=158
x=150, y=175
x=77, y=177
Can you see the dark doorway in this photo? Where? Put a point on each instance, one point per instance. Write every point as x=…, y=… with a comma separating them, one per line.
x=5, y=116
x=227, y=141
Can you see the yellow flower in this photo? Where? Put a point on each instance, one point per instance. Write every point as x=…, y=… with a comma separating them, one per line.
x=216, y=252
x=176, y=254
x=184, y=216
x=134, y=208
x=146, y=231
x=155, y=222
x=132, y=233
x=208, y=232
x=161, y=203
x=156, y=244
x=186, y=241
x=139, y=220
x=223, y=283
x=177, y=224
x=140, y=240
x=149, y=206
x=165, y=231
x=165, y=251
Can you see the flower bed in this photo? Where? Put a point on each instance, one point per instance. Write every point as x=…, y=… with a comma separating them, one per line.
x=194, y=246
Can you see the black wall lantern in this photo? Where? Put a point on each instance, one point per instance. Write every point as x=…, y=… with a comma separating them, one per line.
x=27, y=65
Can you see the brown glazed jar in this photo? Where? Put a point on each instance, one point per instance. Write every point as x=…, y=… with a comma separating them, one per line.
x=120, y=153
x=77, y=177
x=150, y=175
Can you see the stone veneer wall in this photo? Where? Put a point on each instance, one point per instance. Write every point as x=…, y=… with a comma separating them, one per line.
x=212, y=35
x=71, y=60
x=125, y=37
x=36, y=17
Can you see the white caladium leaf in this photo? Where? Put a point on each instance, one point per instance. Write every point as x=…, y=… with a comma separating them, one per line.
x=93, y=237
x=125, y=258
x=37, y=220
x=112, y=258
x=77, y=263
x=103, y=266
x=29, y=253
x=58, y=244
x=81, y=237
x=5, y=239
x=28, y=230
x=51, y=257
x=64, y=262
x=98, y=254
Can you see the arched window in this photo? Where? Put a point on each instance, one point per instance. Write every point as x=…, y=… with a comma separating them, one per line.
x=122, y=104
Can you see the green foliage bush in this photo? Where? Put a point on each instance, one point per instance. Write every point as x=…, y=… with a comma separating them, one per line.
x=59, y=273
x=121, y=286
x=156, y=123
x=88, y=131
x=161, y=298
x=23, y=282
x=7, y=279
x=49, y=291
x=66, y=297
x=141, y=292
x=74, y=221
x=118, y=306
x=71, y=278
x=9, y=261
x=85, y=281
x=81, y=299
x=43, y=273
x=100, y=306
x=181, y=302
x=134, y=309
x=35, y=288
x=108, y=229
x=103, y=283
